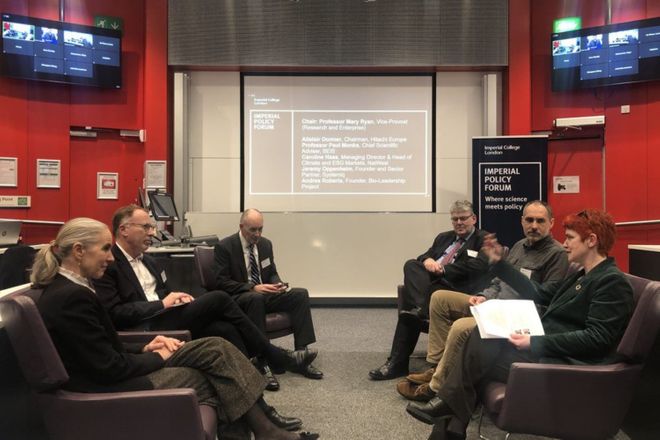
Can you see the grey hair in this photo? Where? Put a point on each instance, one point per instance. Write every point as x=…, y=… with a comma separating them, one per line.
x=47, y=262
x=461, y=205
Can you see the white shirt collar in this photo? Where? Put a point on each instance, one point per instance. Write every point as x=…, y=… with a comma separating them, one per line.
x=128, y=257
x=76, y=278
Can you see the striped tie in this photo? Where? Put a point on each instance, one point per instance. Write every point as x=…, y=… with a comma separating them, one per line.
x=254, y=268
x=451, y=252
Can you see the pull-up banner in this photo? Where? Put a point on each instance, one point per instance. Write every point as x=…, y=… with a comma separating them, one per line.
x=507, y=172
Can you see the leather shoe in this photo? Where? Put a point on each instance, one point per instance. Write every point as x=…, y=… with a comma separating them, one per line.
x=288, y=423
x=312, y=372
x=421, y=378
x=433, y=411
x=419, y=393
x=389, y=370
x=415, y=315
x=304, y=435
x=272, y=384
x=299, y=360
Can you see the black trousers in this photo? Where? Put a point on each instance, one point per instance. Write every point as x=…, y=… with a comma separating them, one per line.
x=419, y=284
x=295, y=302
x=483, y=359
x=215, y=314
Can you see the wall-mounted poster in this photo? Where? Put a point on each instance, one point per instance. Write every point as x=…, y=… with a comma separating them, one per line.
x=49, y=173
x=155, y=174
x=8, y=171
x=107, y=185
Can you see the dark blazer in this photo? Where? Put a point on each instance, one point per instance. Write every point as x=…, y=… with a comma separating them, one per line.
x=87, y=342
x=231, y=273
x=586, y=314
x=121, y=293
x=466, y=273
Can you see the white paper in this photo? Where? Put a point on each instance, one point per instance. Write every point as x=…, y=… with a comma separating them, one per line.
x=107, y=185
x=155, y=174
x=48, y=173
x=499, y=318
x=8, y=171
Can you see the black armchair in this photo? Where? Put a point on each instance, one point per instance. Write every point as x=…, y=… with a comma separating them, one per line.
x=278, y=324
x=100, y=416
x=578, y=401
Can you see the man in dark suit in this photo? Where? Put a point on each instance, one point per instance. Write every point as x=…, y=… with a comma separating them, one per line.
x=246, y=269
x=453, y=262
x=136, y=295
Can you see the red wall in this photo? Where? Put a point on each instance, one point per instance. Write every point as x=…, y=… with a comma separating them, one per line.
x=35, y=117
x=632, y=141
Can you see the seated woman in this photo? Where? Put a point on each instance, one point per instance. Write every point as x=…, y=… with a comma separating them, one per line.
x=96, y=360
x=585, y=318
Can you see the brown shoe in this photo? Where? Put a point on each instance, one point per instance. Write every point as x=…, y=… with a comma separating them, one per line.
x=420, y=393
x=421, y=378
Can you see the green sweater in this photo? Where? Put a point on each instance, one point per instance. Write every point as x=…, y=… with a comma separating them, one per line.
x=586, y=314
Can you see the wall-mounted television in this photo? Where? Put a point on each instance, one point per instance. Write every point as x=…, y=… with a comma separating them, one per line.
x=606, y=55
x=46, y=50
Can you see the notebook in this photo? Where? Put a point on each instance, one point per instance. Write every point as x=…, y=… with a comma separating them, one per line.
x=9, y=232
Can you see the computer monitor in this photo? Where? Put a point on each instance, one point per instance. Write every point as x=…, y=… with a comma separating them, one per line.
x=162, y=206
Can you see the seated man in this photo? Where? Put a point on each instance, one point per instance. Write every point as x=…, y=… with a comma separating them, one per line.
x=586, y=316
x=245, y=268
x=136, y=295
x=453, y=262
x=537, y=256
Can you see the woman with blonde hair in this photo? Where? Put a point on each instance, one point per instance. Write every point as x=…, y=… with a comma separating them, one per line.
x=97, y=361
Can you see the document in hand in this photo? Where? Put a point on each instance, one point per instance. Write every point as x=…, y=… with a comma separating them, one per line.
x=499, y=318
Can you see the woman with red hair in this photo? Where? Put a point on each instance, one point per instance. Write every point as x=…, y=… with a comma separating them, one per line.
x=584, y=319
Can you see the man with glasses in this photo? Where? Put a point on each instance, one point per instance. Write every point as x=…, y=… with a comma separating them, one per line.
x=538, y=256
x=136, y=295
x=453, y=262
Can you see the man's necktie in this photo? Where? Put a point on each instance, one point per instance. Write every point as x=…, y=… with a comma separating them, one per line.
x=254, y=268
x=450, y=253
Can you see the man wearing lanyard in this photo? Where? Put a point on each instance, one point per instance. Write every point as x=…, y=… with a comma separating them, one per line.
x=245, y=269
x=453, y=262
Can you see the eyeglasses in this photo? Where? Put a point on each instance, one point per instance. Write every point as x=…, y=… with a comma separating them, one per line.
x=146, y=226
x=462, y=218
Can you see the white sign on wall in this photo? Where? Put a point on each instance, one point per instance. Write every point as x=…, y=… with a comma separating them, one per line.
x=566, y=184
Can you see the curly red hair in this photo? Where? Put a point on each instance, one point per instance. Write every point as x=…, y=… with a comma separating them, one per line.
x=593, y=221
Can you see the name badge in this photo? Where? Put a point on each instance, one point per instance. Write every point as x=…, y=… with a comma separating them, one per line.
x=163, y=276
x=526, y=272
x=265, y=263
x=472, y=253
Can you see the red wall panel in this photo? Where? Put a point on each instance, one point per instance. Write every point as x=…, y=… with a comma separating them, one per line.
x=35, y=117
x=632, y=141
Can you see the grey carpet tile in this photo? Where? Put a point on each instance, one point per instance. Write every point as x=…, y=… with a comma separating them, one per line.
x=345, y=404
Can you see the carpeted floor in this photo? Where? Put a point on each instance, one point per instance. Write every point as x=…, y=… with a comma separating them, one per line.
x=346, y=404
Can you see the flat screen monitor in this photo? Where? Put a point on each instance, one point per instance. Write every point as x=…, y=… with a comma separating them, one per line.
x=46, y=50
x=606, y=55
x=162, y=206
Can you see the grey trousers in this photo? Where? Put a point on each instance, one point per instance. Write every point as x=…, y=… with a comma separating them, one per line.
x=219, y=373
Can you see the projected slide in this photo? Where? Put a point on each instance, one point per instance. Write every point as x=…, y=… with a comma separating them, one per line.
x=338, y=143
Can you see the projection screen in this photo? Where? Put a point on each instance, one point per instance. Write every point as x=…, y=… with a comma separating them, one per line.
x=338, y=143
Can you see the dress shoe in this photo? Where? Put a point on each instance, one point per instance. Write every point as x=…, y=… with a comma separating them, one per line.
x=414, y=316
x=299, y=360
x=272, y=384
x=304, y=435
x=389, y=370
x=430, y=412
x=312, y=372
x=421, y=378
x=411, y=391
x=288, y=423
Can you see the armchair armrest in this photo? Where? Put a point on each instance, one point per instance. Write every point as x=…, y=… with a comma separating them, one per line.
x=148, y=415
x=145, y=337
x=567, y=396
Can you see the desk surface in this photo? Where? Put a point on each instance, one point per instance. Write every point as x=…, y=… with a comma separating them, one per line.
x=170, y=250
x=645, y=247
